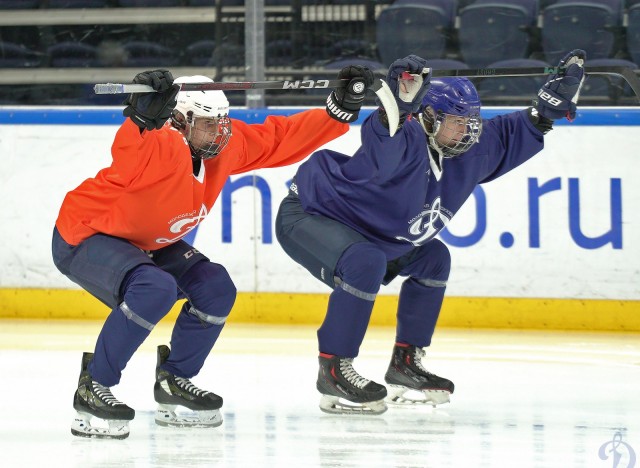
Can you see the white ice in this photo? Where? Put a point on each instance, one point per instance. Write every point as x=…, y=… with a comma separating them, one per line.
x=522, y=399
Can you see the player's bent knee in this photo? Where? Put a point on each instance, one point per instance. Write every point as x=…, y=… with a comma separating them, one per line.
x=150, y=284
x=149, y=294
x=438, y=262
x=362, y=267
x=210, y=290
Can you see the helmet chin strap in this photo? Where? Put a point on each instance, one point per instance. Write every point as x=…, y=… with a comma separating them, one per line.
x=435, y=164
x=188, y=135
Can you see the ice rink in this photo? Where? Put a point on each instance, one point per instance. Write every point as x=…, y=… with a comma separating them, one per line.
x=522, y=399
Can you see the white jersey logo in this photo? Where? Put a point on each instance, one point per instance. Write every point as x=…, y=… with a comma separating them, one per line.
x=183, y=224
x=427, y=224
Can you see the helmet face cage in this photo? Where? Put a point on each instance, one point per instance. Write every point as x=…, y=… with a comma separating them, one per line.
x=451, y=116
x=452, y=134
x=207, y=136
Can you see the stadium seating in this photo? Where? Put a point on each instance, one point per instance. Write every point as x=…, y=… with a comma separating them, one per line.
x=69, y=54
x=600, y=89
x=352, y=48
x=17, y=56
x=19, y=4
x=278, y=53
x=633, y=32
x=418, y=27
x=204, y=54
x=200, y=53
x=512, y=90
x=588, y=25
x=365, y=62
x=447, y=64
x=496, y=30
x=77, y=4
x=149, y=3
x=148, y=54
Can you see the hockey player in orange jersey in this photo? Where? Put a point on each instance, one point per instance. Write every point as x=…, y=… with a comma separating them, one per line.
x=119, y=235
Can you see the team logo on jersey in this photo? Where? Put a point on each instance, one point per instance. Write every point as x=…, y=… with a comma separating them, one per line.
x=428, y=223
x=183, y=224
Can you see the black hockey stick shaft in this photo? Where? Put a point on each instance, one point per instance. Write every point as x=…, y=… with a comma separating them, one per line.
x=118, y=88
x=628, y=74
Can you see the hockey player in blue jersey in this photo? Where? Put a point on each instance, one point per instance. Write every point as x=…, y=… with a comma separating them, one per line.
x=356, y=222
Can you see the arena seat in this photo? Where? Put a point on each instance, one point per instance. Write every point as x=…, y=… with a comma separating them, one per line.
x=588, y=25
x=417, y=27
x=70, y=54
x=17, y=56
x=496, y=30
x=509, y=90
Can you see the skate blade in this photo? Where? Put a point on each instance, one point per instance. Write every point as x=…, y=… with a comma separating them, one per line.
x=82, y=427
x=166, y=416
x=335, y=405
x=405, y=396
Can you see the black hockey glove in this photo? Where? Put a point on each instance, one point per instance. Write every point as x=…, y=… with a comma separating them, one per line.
x=344, y=104
x=409, y=79
x=151, y=110
x=558, y=97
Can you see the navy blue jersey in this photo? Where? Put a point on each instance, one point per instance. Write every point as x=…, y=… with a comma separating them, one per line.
x=387, y=191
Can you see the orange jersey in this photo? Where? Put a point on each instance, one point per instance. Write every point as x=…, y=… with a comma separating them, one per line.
x=150, y=195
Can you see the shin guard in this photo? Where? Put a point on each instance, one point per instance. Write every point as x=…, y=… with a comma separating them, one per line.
x=149, y=294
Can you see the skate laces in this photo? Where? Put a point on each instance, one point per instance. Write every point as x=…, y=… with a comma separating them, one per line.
x=417, y=359
x=349, y=373
x=104, y=394
x=189, y=387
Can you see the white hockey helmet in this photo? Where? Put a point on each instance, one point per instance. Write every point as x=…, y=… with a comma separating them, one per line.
x=203, y=117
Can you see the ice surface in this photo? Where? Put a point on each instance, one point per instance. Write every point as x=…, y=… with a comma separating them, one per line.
x=523, y=399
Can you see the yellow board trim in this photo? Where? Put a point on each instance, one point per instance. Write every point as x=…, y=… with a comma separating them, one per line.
x=288, y=308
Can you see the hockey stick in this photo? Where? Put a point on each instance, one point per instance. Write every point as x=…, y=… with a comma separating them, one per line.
x=628, y=74
x=117, y=88
x=380, y=87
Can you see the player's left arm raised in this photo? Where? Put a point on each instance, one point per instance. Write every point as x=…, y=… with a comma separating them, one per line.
x=558, y=97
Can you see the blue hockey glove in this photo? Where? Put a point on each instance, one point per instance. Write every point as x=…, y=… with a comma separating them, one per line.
x=409, y=80
x=558, y=97
x=152, y=110
x=344, y=104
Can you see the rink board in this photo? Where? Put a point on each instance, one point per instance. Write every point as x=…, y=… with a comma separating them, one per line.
x=297, y=308
x=554, y=244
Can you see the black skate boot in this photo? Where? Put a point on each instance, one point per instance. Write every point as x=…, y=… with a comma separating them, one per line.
x=406, y=375
x=171, y=391
x=344, y=391
x=93, y=400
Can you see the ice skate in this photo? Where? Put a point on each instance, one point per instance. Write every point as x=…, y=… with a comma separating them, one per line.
x=95, y=403
x=171, y=392
x=410, y=383
x=344, y=391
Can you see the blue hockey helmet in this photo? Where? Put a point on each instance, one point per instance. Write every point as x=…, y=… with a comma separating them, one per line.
x=450, y=115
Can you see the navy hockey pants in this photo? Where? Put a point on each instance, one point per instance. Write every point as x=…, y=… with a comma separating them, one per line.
x=141, y=288
x=355, y=268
